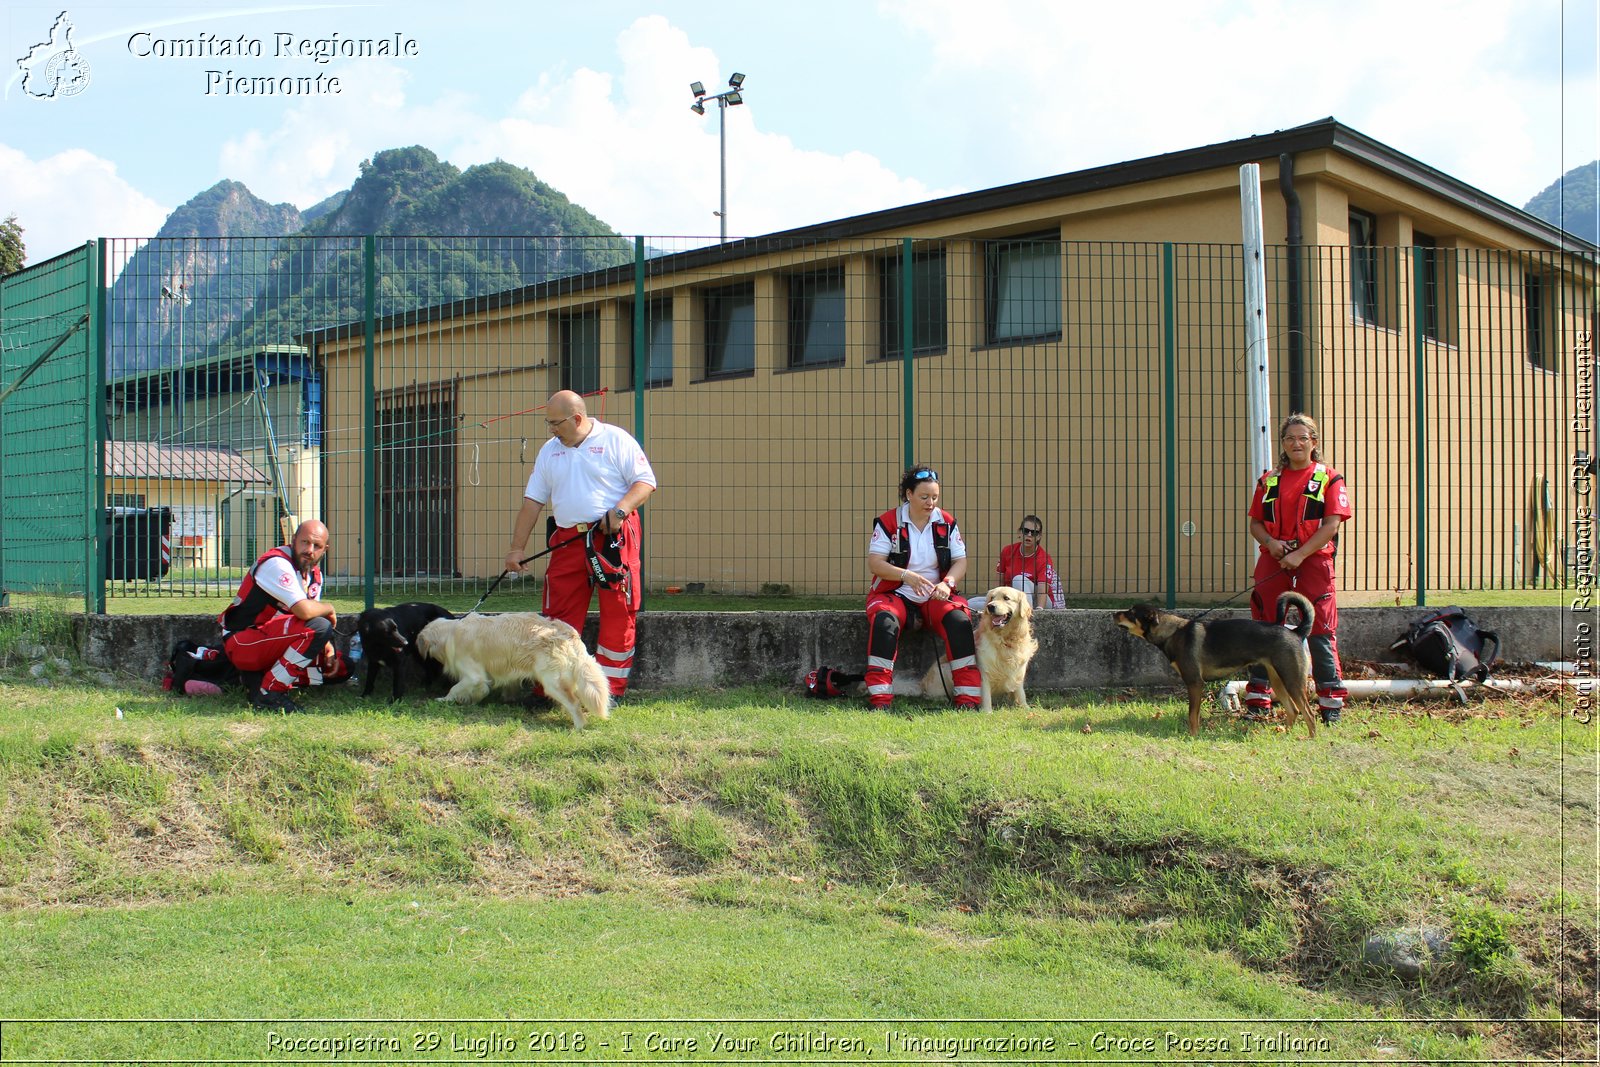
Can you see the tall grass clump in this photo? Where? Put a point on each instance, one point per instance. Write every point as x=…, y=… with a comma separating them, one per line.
x=26, y=632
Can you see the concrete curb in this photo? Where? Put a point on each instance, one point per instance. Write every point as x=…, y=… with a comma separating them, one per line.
x=1078, y=649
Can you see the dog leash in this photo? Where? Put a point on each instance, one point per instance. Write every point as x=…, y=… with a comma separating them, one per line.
x=1247, y=589
x=528, y=559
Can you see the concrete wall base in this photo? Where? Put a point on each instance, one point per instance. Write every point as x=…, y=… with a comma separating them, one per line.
x=1078, y=649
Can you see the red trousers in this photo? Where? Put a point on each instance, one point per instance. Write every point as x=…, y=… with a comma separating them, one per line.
x=281, y=648
x=887, y=613
x=1315, y=579
x=567, y=590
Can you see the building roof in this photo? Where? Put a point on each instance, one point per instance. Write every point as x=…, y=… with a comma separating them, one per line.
x=283, y=359
x=146, y=459
x=1327, y=133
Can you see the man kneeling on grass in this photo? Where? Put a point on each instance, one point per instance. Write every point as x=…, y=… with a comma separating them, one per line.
x=278, y=625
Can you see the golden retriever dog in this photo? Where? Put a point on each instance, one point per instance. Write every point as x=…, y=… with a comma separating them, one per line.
x=1003, y=632
x=486, y=652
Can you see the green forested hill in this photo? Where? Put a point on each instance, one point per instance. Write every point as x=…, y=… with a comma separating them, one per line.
x=256, y=273
x=1580, y=192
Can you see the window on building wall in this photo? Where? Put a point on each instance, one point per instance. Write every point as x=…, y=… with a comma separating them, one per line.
x=1364, y=266
x=1436, y=284
x=816, y=317
x=928, y=322
x=657, y=339
x=580, y=352
x=1539, y=322
x=1022, y=278
x=125, y=500
x=730, y=330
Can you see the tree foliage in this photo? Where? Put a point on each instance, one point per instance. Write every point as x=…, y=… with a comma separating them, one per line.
x=13, y=253
x=1572, y=202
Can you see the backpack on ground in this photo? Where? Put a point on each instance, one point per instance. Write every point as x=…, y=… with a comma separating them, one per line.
x=1449, y=645
x=825, y=682
x=194, y=669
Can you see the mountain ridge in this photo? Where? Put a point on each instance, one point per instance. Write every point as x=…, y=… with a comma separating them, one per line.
x=229, y=269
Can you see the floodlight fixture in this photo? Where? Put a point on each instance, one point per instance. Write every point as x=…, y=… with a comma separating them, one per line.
x=730, y=97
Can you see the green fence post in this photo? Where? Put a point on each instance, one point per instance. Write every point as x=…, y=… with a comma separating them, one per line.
x=908, y=377
x=641, y=357
x=5, y=598
x=97, y=297
x=1169, y=414
x=369, y=418
x=1419, y=424
x=641, y=362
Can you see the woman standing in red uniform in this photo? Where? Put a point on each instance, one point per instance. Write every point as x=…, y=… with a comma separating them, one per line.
x=1295, y=517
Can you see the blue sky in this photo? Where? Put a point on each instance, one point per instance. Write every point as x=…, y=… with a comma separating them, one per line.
x=851, y=106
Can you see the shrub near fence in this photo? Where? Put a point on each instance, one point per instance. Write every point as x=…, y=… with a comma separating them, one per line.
x=393, y=386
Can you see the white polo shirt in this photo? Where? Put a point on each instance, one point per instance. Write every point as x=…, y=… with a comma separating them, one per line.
x=582, y=483
x=278, y=579
x=924, y=560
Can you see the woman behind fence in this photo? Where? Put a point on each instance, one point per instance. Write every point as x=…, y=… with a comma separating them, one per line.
x=917, y=559
x=1025, y=566
x=1295, y=517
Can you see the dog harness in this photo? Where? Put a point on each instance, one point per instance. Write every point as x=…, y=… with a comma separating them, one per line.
x=253, y=605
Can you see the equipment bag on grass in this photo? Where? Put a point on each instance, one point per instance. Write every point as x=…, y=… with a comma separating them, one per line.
x=1448, y=644
x=825, y=682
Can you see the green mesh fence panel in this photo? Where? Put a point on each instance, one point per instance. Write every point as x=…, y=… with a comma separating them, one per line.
x=780, y=385
x=46, y=425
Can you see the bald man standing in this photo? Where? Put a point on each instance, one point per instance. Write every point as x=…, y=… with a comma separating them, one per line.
x=593, y=477
x=277, y=623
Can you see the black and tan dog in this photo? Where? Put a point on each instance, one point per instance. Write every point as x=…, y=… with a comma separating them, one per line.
x=1203, y=651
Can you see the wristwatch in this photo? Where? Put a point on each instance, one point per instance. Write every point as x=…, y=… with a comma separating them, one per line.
x=620, y=514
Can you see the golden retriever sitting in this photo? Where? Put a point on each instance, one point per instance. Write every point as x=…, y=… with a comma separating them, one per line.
x=1003, y=631
x=485, y=652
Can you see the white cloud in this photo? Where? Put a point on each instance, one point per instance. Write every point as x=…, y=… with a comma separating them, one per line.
x=72, y=197
x=317, y=147
x=1069, y=86
x=624, y=146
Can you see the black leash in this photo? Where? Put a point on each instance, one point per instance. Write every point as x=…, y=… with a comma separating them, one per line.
x=1247, y=589
x=528, y=559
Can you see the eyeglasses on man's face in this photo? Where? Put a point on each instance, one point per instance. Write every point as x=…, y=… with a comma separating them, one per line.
x=551, y=426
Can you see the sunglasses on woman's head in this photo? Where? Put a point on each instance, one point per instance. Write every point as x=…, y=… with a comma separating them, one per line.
x=1028, y=531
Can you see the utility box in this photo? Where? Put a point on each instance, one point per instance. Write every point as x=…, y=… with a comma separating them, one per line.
x=138, y=543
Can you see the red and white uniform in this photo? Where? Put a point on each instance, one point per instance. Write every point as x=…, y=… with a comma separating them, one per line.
x=1291, y=504
x=894, y=534
x=579, y=485
x=272, y=639
x=1028, y=573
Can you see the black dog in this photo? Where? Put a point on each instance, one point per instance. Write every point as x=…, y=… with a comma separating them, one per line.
x=1200, y=651
x=388, y=636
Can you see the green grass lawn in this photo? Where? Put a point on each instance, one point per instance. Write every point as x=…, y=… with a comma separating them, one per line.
x=727, y=875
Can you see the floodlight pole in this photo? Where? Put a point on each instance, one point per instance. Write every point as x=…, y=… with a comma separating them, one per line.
x=722, y=136
x=729, y=97
x=178, y=295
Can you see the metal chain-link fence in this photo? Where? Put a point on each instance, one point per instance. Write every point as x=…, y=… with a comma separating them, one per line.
x=393, y=387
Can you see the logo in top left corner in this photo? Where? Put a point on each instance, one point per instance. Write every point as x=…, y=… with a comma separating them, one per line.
x=54, y=68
